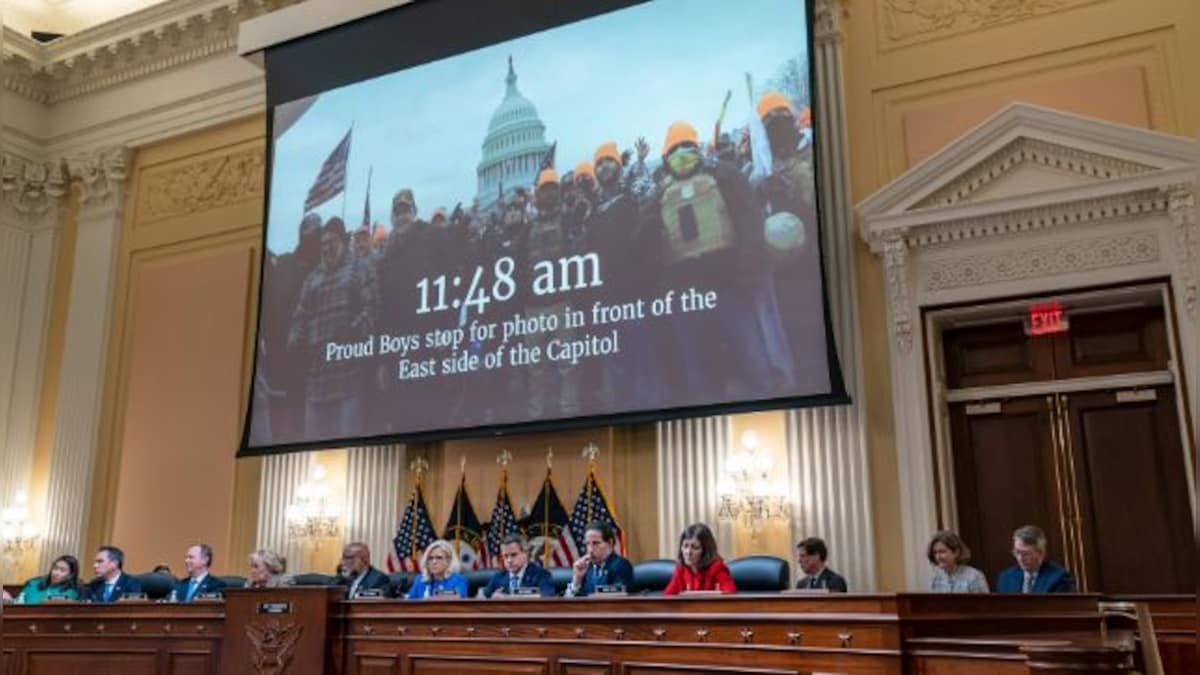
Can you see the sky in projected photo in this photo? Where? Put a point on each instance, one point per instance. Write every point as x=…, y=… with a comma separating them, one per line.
x=618, y=76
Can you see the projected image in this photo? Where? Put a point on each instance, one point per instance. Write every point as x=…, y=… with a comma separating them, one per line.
x=612, y=216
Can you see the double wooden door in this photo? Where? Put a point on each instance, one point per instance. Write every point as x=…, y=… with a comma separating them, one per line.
x=1103, y=471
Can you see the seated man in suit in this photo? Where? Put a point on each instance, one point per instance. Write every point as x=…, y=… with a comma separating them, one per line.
x=518, y=572
x=198, y=581
x=359, y=575
x=811, y=554
x=111, y=582
x=601, y=566
x=1033, y=573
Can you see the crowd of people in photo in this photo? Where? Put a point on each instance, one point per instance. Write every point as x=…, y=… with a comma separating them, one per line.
x=698, y=568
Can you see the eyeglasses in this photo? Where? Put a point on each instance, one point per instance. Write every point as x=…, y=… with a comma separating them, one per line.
x=438, y=557
x=1024, y=554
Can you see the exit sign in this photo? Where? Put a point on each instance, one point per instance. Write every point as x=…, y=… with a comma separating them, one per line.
x=1045, y=319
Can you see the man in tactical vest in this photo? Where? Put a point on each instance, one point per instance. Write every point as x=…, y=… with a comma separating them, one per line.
x=712, y=239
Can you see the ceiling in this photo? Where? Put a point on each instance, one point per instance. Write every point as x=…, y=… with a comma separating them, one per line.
x=65, y=16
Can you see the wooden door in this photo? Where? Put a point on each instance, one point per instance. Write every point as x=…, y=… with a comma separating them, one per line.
x=1135, y=515
x=1005, y=477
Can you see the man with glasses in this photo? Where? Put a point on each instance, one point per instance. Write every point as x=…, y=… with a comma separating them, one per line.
x=1033, y=573
x=359, y=575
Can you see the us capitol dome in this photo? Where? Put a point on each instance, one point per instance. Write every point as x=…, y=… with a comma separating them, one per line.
x=514, y=146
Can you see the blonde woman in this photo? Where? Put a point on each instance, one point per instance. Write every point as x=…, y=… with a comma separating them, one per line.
x=439, y=573
x=267, y=570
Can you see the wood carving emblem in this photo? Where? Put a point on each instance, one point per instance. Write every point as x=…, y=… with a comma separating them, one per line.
x=272, y=644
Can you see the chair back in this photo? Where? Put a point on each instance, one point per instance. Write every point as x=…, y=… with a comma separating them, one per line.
x=477, y=579
x=650, y=577
x=156, y=585
x=232, y=581
x=311, y=579
x=401, y=582
x=760, y=573
x=562, y=578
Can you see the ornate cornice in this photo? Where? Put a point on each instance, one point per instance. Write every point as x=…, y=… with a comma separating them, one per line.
x=913, y=21
x=159, y=38
x=1026, y=150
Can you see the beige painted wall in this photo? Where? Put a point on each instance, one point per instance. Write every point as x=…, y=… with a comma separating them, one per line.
x=921, y=73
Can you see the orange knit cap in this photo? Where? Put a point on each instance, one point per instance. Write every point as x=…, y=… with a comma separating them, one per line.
x=584, y=169
x=677, y=133
x=547, y=176
x=772, y=100
x=608, y=151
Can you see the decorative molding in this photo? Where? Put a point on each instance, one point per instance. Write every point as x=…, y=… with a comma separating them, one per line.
x=913, y=21
x=200, y=185
x=143, y=43
x=827, y=15
x=1032, y=262
x=1182, y=210
x=1026, y=150
x=895, y=261
x=100, y=174
x=30, y=187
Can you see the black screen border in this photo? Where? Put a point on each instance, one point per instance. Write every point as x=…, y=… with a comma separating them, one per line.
x=537, y=15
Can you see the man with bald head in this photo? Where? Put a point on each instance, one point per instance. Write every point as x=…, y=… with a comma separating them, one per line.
x=358, y=573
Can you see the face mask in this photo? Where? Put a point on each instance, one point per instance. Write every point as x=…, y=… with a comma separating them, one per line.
x=548, y=200
x=782, y=134
x=683, y=161
x=608, y=171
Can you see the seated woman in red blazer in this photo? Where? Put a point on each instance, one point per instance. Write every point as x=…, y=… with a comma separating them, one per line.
x=699, y=567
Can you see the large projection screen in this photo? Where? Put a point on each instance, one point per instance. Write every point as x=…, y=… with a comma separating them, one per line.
x=486, y=217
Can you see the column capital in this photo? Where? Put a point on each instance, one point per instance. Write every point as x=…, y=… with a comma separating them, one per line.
x=30, y=190
x=101, y=175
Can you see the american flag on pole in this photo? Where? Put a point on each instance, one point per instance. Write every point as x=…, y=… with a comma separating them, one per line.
x=415, y=534
x=332, y=178
x=548, y=158
x=549, y=528
x=504, y=523
x=593, y=506
x=463, y=529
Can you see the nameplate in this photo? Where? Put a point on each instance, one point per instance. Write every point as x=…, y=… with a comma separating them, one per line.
x=370, y=594
x=209, y=595
x=274, y=608
x=527, y=591
x=126, y=597
x=610, y=589
x=446, y=593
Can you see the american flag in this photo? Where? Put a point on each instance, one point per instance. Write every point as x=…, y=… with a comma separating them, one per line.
x=415, y=534
x=332, y=178
x=549, y=528
x=504, y=523
x=592, y=506
x=463, y=529
x=548, y=158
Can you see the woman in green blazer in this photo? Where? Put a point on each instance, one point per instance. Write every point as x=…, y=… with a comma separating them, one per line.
x=61, y=583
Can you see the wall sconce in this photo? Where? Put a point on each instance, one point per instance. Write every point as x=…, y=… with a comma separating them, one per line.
x=747, y=493
x=311, y=516
x=18, y=534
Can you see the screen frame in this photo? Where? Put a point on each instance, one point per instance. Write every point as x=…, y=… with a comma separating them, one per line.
x=545, y=15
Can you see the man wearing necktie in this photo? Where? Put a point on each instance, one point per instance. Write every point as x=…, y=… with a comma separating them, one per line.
x=359, y=575
x=518, y=572
x=602, y=566
x=810, y=555
x=1034, y=572
x=197, y=563
x=111, y=582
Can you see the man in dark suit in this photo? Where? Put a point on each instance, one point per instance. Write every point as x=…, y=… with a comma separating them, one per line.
x=198, y=581
x=601, y=566
x=811, y=554
x=359, y=575
x=111, y=582
x=517, y=572
x=1033, y=573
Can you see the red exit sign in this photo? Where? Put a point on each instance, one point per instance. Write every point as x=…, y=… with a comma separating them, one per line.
x=1046, y=319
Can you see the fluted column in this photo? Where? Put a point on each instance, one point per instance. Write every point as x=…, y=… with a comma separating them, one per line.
x=281, y=475
x=375, y=479
x=27, y=248
x=826, y=447
x=76, y=425
x=691, y=453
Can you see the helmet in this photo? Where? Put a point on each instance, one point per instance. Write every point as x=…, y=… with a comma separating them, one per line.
x=678, y=133
x=772, y=100
x=609, y=151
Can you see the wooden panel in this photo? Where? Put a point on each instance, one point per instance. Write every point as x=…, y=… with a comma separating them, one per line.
x=1004, y=478
x=377, y=664
x=91, y=662
x=190, y=663
x=579, y=667
x=1108, y=343
x=636, y=668
x=8, y=662
x=1136, y=515
x=981, y=356
x=468, y=665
